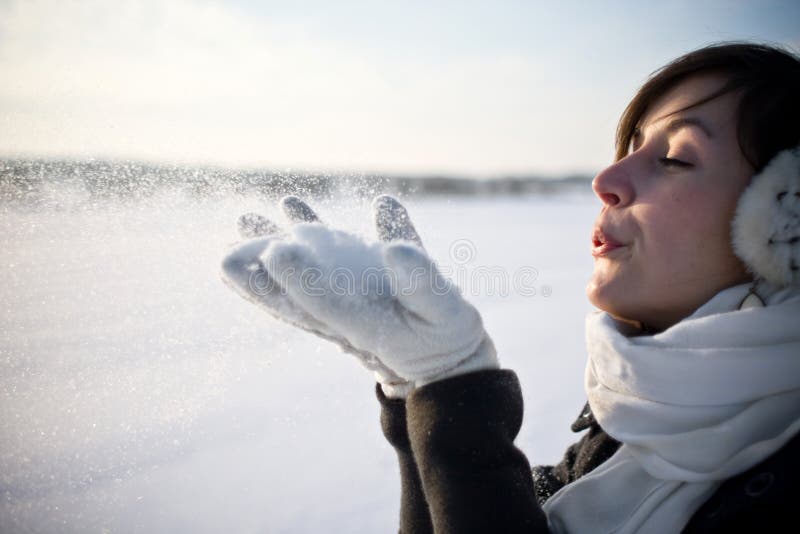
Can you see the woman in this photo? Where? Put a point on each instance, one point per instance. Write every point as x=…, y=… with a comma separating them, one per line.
x=693, y=375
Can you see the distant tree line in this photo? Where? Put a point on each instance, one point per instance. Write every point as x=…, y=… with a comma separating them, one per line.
x=31, y=180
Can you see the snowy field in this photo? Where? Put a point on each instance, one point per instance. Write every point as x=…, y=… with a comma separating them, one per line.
x=139, y=394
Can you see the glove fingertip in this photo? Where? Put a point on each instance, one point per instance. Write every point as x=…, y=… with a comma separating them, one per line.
x=297, y=211
x=255, y=225
x=384, y=201
x=244, y=256
x=242, y=264
x=392, y=221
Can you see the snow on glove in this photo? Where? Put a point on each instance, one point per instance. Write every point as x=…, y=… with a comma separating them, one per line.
x=385, y=299
x=244, y=272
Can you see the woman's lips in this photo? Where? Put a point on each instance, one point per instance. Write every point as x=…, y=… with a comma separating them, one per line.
x=603, y=244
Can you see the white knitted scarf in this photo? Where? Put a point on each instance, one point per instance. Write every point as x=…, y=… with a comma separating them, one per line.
x=694, y=405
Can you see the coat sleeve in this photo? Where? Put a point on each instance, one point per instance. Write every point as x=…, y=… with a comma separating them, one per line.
x=415, y=517
x=461, y=431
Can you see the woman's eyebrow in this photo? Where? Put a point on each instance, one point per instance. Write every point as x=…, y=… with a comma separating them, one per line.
x=673, y=126
x=679, y=123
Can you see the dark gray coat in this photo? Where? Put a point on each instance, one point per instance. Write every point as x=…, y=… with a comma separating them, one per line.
x=460, y=471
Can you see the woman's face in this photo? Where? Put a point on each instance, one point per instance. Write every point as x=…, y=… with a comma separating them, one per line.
x=661, y=243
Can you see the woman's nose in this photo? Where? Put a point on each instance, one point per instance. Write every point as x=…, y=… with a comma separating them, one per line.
x=613, y=185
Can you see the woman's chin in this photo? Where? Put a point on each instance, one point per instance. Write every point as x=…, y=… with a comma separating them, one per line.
x=603, y=292
x=611, y=299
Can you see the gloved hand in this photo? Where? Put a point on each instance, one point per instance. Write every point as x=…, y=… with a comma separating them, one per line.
x=384, y=302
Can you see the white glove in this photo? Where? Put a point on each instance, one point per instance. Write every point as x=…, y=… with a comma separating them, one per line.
x=385, y=302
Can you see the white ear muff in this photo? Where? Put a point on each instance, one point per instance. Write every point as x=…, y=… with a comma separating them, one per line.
x=766, y=226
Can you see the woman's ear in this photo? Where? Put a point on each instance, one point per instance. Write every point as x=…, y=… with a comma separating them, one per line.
x=765, y=229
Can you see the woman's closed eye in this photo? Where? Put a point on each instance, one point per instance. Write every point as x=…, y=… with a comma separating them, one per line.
x=675, y=163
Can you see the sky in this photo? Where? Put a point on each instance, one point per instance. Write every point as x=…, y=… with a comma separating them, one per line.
x=470, y=88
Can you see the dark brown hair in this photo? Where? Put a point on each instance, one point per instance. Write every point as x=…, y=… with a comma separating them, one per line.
x=768, y=79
